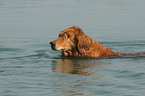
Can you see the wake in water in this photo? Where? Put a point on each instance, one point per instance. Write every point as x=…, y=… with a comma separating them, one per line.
x=129, y=55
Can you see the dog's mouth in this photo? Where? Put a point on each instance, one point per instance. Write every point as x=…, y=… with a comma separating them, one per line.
x=53, y=48
x=63, y=49
x=56, y=48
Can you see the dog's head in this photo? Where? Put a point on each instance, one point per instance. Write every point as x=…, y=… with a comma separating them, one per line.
x=71, y=39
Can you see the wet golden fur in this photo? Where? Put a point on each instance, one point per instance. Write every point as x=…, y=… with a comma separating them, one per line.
x=74, y=43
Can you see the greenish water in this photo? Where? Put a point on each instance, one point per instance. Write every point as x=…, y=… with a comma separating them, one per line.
x=28, y=66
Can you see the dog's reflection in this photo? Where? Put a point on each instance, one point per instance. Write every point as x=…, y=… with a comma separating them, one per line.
x=78, y=67
x=83, y=68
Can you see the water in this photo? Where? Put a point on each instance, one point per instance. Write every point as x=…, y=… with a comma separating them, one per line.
x=28, y=66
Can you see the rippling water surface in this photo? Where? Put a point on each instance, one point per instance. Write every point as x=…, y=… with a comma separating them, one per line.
x=28, y=66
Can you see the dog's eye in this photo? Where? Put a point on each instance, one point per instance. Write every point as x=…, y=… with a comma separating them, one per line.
x=68, y=36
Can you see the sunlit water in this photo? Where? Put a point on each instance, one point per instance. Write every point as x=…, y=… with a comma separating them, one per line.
x=28, y=66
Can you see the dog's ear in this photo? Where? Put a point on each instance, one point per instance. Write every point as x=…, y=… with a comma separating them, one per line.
x=83, y=43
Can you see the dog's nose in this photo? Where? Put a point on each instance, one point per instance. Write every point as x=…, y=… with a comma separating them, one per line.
x=52, y=43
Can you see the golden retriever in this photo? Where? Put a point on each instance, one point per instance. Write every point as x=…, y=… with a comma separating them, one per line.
x=74, y=43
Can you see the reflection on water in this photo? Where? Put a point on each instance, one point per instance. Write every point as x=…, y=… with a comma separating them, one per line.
x=78, y=67
x=81, y=68
x=73, y=92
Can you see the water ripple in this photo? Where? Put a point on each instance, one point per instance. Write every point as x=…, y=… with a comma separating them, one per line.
x=138, y=75
x=39, y=55
x=10, y=50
